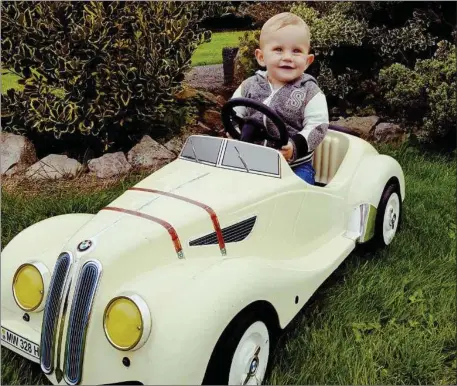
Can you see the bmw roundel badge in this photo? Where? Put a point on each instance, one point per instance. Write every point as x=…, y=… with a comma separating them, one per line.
x=84, y=245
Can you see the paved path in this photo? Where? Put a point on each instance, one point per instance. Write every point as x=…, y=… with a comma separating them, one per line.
x=210, y=78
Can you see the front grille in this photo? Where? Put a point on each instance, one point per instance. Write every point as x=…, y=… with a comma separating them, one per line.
x=78, y=320
x=51, y=311
x=231, y=234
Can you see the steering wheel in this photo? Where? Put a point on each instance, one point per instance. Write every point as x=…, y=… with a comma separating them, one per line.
x=227, y=113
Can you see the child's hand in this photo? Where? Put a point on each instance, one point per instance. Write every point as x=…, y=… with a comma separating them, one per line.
x=287, y=151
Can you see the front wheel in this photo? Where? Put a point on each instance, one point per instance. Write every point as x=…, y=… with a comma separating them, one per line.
x=388, y=216
x=241, y=355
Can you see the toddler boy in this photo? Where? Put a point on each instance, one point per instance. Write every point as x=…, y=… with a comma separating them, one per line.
x=295, y=96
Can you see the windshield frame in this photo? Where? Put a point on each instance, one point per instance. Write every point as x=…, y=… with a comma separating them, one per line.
x=218, y=161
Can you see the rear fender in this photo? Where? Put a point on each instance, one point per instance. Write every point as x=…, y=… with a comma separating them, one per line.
x=371, y=178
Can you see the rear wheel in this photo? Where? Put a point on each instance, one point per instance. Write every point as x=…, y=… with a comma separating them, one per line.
x=242, y=353
x=388, y=217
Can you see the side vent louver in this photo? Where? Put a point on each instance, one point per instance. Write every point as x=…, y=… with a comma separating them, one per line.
x=231, y=234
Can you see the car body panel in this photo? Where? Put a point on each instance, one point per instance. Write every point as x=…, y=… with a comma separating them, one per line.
x=283, y=238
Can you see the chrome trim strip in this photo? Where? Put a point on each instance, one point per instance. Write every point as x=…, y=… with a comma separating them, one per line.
x=59, y=372
x=367, y=226
x=52, y=309
x=78, y=321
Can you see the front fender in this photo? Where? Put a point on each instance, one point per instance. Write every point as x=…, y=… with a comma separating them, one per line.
x=187, y=323
x=40, y=242
x=371, y=178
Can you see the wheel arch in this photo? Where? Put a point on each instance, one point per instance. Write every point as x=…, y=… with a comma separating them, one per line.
x=265, y=311
x=372, y=177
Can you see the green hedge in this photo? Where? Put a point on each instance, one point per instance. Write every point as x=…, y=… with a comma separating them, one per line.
x=116, y=67
x=356, y=41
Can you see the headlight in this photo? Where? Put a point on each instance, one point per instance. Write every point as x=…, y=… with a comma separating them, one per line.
x=29, y=284
x=127, y=322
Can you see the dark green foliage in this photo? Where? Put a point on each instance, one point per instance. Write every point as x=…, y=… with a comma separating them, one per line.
x=99, y=74
x=354, y=41
x=425, y=95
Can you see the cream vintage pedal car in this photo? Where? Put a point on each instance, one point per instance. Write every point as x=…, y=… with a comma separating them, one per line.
x=187, y=277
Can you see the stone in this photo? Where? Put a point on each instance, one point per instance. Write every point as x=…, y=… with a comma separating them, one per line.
x=360, y=125
x=389, y=132
x=149, y=154
x=221, y=100
x=212, y=118
x=54, y=166
x=16, y=153
x=109, y=165
x=186, y=93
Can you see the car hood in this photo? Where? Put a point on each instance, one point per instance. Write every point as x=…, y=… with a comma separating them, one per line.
x=152, y=223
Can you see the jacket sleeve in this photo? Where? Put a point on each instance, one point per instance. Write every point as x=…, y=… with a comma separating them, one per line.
x=241, y=111
x=315, y=126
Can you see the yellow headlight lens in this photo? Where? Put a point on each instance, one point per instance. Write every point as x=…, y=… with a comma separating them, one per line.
x=123, y=323
x=28, y=287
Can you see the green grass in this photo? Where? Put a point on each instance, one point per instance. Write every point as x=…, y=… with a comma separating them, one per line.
x=386, y=318
x=211, y=52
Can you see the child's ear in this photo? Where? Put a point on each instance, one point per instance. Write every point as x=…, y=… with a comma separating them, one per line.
x=259, y=57
x=309, y=60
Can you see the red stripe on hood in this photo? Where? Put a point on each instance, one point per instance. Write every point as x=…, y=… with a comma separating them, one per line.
x=209, y=210
x=166, y=225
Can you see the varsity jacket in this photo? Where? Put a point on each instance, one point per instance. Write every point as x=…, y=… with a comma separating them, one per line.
x=301, y=105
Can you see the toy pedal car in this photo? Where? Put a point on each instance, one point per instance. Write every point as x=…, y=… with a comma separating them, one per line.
x=188, y=276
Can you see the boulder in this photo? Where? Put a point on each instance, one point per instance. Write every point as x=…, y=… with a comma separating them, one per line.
x=212, y=118
x=16, y=153
x=389, y=132
x=360, y=125
x=149, y=154
x=53, y=166
x=109, y=165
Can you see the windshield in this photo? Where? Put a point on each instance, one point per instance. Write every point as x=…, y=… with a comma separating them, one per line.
x=234, y=155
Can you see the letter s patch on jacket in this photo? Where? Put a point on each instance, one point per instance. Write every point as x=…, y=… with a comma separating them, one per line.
x=296, y=99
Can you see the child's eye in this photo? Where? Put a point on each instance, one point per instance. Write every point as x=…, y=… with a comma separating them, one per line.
x=297, y=51
x=278, y=49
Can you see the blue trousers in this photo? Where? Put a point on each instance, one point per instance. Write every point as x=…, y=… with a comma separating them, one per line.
x=306, y=172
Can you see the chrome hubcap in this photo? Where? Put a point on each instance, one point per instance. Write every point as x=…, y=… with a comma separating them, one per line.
x=250, y=359
x=391, y=216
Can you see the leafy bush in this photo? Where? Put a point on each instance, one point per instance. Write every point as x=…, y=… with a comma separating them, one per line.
x=98, y=74
x=260, y=12
x=425, y=95
x=354, y=41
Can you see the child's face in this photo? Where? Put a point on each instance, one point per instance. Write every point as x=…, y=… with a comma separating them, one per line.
x=285, y=54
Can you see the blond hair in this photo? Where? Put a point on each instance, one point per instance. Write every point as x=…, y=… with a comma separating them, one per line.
x=282, y=20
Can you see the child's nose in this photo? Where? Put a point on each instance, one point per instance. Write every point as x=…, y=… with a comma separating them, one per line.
x=286, y=55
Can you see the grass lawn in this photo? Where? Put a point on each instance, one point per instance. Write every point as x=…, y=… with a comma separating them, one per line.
x=386, y=318
x=211, y=53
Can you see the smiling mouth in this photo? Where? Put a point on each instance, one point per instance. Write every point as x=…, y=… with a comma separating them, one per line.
x=286, y=67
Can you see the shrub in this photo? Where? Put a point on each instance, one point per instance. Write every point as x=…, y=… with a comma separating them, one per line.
x=426, y=95
x=354, y=41
x=116, y=67
x=260, y=12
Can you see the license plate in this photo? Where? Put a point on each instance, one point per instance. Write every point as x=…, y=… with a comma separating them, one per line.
x=21, y=343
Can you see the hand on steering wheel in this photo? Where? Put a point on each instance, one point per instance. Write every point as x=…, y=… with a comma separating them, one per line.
x=228, y=113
